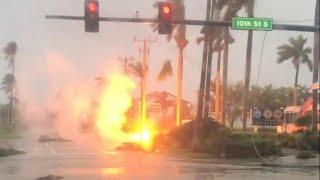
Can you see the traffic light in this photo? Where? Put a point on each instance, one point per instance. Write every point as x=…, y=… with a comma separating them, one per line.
x=91, y=17
x=165, y=18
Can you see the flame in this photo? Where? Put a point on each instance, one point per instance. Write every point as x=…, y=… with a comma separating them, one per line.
x=115, y=101
x=144, y=135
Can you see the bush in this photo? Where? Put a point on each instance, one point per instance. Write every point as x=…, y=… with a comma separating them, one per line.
x=308, y=141
x=314, y=141
x=287, y=140
x=305, y=155
x=208, y=132
x=241, y=145
x=304, y=121
x=302, y=140
x=218, y=140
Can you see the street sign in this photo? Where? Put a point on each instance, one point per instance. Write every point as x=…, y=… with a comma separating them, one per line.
x=266, y=117
x=244, y=23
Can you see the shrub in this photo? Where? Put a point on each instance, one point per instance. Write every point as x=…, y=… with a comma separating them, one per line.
x=313, y=140
x=305, y=155
x=241, y=145
x=304, y=121
x=287, y=140
x=218, y=140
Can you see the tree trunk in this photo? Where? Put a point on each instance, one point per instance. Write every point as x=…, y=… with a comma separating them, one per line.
x=315, y=79
x=195, y=138
x=218, y=90
x=247, y=72
x=225, y=76
x=179, y=86
x=11, y=94
x=231, y=122
x=295, y=93
x=209, y=68
x=208, y=82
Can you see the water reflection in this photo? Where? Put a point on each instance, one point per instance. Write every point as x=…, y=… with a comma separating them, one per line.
x=112, y=171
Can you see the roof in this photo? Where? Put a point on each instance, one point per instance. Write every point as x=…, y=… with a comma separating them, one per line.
x=168, y=95
x=292, y=109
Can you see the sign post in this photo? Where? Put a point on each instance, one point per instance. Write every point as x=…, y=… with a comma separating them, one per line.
x=259, y=24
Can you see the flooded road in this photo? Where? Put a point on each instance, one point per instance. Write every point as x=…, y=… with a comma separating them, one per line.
x=77, y=162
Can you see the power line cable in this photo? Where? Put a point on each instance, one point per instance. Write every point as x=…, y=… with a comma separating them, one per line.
x=299, y=20
x=261, y=56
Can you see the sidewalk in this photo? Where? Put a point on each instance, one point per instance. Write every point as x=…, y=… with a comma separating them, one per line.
x=292, y=162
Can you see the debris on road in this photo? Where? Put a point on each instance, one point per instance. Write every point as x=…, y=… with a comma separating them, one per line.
x=129, y=146
x=50, y=177
x=52, y=138
x=9, y=152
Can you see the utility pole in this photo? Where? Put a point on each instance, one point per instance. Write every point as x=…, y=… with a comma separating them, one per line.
x=144, y=76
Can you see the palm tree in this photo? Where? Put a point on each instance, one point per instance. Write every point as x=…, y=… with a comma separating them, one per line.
x=219, y=38
x=10, y=52
x=299, y=54
x=179, y=34
x=249, y=6
x=135, y=68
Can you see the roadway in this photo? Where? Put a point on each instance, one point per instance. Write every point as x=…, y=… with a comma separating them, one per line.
x=77, y=161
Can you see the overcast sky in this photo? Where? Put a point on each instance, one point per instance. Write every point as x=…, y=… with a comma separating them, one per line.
x=42, y=41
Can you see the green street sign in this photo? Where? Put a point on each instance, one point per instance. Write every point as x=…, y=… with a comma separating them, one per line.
x=244, y=23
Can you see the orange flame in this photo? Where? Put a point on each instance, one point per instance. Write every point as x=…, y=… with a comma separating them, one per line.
x=115, y=101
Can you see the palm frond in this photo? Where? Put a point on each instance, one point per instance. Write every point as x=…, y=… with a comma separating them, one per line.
x=136, y=68
x=285, y=52
x=307, y=50
x=10, y=49
x=165, y=71
x=7, y=83
x=306, y=60
x=296, y=51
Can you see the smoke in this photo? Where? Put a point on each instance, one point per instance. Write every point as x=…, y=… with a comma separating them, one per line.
x=57, y=97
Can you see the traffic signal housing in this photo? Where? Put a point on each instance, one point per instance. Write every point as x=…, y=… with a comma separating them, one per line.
x=91, y=17
x=165, y=18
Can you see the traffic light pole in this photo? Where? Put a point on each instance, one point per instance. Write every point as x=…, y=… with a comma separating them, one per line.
x=286, y=27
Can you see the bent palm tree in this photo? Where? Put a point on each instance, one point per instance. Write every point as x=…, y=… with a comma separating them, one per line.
x=179, y=34
x=10, y=52
x=299, y=54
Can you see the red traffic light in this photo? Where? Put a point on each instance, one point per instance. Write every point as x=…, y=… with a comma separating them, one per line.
x=165, y=10
x=91, y=15
x=92, y=6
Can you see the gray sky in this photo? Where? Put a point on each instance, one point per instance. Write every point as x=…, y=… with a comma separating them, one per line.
x=42, y=41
